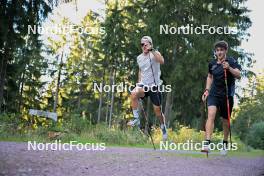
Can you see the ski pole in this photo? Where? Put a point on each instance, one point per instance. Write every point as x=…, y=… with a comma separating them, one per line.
x=159, y=101
x=146, y=119
x=206, y=114
x=228, y=106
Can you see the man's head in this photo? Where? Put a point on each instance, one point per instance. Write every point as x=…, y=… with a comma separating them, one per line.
x=146, y=44
x=221, y=48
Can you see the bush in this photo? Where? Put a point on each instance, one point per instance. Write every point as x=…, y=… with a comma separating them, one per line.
x=9, y=123
x=250, y=112
x=255, y=136
x=75, y=127
x=77, y=123
x=184, y=134
x=116, y=136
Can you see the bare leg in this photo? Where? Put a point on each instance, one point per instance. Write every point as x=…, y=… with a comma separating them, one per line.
x=135, y=95
x=159, y=115
x=209, y=127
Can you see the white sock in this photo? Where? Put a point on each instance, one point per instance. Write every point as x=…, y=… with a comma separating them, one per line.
x=162, y=126
x=135, y=113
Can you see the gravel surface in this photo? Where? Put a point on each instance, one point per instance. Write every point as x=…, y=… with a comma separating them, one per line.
x=15, y=159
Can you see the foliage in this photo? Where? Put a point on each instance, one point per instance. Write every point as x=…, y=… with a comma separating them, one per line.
x=76, y=128
x=250, y=108
x=255, y=137
x=75, y=62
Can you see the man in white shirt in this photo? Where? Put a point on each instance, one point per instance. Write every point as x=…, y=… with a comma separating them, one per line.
x=149, y=81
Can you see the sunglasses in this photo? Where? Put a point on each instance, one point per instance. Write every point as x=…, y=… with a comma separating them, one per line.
x=143, y=44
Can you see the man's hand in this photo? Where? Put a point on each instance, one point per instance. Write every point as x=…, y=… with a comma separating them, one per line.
x=149, y=47
x=158, y=57
x=235, y=72
x=205, y=95
x=226, y=65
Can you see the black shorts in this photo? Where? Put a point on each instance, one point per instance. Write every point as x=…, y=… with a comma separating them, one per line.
x=220, y=103
x=154, y=94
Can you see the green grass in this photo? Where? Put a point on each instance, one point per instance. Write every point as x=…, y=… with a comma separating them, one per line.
x=80, y=131
x=83, y=139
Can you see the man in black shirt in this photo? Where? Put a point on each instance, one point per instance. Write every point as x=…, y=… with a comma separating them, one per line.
x=215, y=91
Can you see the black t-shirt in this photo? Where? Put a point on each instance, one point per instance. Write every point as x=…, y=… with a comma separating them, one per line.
x=218, y=85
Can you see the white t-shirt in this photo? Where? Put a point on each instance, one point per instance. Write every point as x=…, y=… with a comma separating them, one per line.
x=147, y=78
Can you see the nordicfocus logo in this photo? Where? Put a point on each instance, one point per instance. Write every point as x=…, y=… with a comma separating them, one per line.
x=190, y=145
x=122, y=87
x=191, y=29
x=65, y=29
x=73, y=145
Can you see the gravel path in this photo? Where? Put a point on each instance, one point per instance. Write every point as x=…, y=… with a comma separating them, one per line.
x=15, y=159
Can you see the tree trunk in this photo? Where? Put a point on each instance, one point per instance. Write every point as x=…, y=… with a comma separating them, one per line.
x=2, y=81
x=81, y=87
x=58, y=85
x=21, y=91
x=107, y=103
x=6, y=43
x=107, y=107
x=100, y=104
x=168, y=108
x=112, y=100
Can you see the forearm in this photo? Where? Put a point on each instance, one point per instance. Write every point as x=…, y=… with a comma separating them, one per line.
x=158, y=57
x=209, y=81
x=235, y=72
x=139, y=76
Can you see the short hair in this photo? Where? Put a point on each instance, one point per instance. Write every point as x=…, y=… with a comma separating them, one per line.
x=221, y=44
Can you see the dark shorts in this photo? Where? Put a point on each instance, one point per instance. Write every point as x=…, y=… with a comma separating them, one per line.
x=220, y=103
x=155, y=95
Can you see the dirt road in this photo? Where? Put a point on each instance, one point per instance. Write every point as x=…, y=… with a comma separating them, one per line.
x=15, y=159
